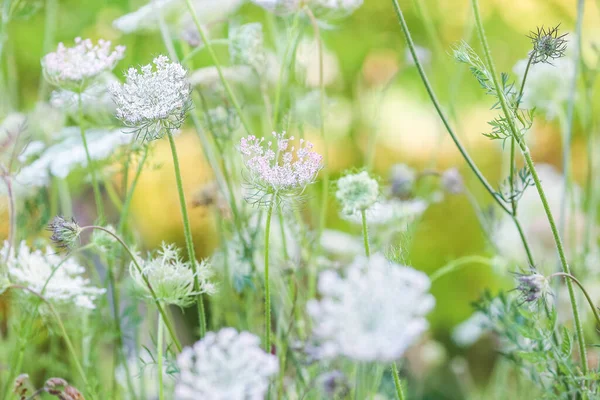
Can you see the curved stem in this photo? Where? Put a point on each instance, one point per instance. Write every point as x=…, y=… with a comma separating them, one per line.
x=365, y=232
x=530, y=165
x=585, y=293
x=439, y=110
x=267, y=280
x=159, y=356
x=90, y=162
x=166, y=319
x=457, y=264
x=188, y=235
x=215, y=60
x=397, y=383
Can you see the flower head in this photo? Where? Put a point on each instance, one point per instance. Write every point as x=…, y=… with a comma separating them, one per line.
x=402, y=179
x=246, y=46
x=154, y=101
x=547, y=45
x=58, y=279
x=278, y=169
x=65, y=233
x=74, y=67
x=452, y=181
x=225, y=365
x=357, y=192
x=374, y=313
x=171, y=279
x=533, y=287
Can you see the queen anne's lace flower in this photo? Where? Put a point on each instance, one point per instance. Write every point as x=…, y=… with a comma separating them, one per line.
x=155, y=100
x=59, y=280
x=374, y=313
x=357, y=192
x=171, y=279
x=226, y=365
x=74, y=67
x=278, y=169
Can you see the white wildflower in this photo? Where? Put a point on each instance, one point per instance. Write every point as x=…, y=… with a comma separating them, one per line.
x=402, y=179
x=356, y=192
x=155, y=100
x=397, y=212
x=75, y=67
x=374, y=313
x=226, y=365
x=278, y=168
x=246, y=46
x=58, y=279
x=171, y=278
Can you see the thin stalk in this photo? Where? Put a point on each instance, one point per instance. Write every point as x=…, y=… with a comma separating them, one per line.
x=165, y=317
x=530, y=165
x=523, y=237
x=159, y=356
x=213, y=56
x=457, y=264
x=188, y=235
x=365, y=232
x=585, y=293
x=397, y=383
x=440, y=112
x=49, y=36
x=284, y=64
x=201, y=47
x=12, y=212
x=90, y=162
x=267, y=280
x=131, y=191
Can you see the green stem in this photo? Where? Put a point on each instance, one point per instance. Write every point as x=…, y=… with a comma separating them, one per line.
x=523, y=238
x=585, y=293
x=188, y=235
x=159, y=356
x=166, y=319
x=397, y=383
x=530, y=165
x=267, y=280
x=131, y=191
x=284, y=65
x=91, y=163
x=458, y=264
x=365, y=232
x=439, y=110
x=215, y=60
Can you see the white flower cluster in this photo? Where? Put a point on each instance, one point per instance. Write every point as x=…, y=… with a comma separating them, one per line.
x=374, y=313
x=356, y=192
x=246, y=46
x=74, y=67
x=226, y=365
x=155, y=100
x=57, y=279
x=280, y=168
x=171, y=278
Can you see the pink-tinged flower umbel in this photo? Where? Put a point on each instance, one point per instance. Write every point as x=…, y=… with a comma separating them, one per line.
x=278, y=168
x=75, y=67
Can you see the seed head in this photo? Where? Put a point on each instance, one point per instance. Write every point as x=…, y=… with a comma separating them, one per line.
x=357, y=192
x=547, y=44
x=75, y=67
x=65, y=233
x=153, y=102
x=533, y=287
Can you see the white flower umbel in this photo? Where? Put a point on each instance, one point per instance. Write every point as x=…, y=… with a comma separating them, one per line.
x=171, y=278
x=226, y=365
x=58, y=279
x=75, y=67
x=246, y=46
x=356, y=192
x=373, y=313
x=278, y=169
x=153, y=102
